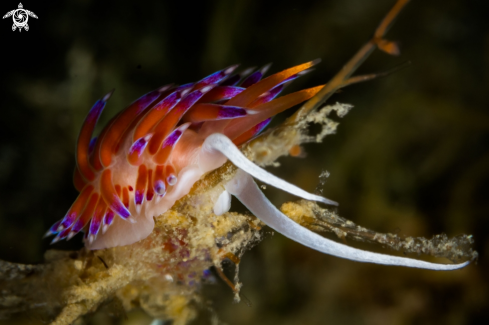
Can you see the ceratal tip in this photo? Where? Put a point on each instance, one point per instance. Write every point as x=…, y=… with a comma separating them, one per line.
x=184, y=92
x=131, y=219
x=251, y=112
x=106, y=97
x=104, y=228
x=316, y=61
x=165, y=88
x=230, y=69
x=55, y=240
x=48, y=233
x=303, y=72
x=207, y=88
x=265, y=68
x=70, y=235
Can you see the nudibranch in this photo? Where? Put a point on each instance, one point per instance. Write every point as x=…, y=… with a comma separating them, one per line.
x=151, y=153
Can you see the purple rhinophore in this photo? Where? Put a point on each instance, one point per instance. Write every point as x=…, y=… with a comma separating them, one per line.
x=94, y=226
x=138, y=197
x=252, y=79
x=227, y=112
x=109, y=217
x=91, y=145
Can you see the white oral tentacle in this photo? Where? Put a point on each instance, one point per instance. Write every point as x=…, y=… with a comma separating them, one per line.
x=243, y=187
x=219, y=142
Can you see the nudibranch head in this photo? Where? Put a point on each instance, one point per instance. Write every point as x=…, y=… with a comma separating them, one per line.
x=151, y=153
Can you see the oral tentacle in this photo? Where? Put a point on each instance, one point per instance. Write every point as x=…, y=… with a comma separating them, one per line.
x=245, y=190
x=220, y=143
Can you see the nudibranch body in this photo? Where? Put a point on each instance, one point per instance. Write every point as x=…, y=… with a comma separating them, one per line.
x=151, y=153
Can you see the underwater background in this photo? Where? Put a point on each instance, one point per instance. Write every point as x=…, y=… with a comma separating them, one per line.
x=411, y=158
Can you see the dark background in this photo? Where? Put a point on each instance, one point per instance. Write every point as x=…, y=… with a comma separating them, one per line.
x=411, y=157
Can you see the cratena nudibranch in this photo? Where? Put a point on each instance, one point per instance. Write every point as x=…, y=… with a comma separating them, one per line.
x=151, y=153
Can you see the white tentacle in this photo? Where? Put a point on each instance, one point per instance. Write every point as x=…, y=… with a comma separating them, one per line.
x=219, y=142
x=245, y=189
